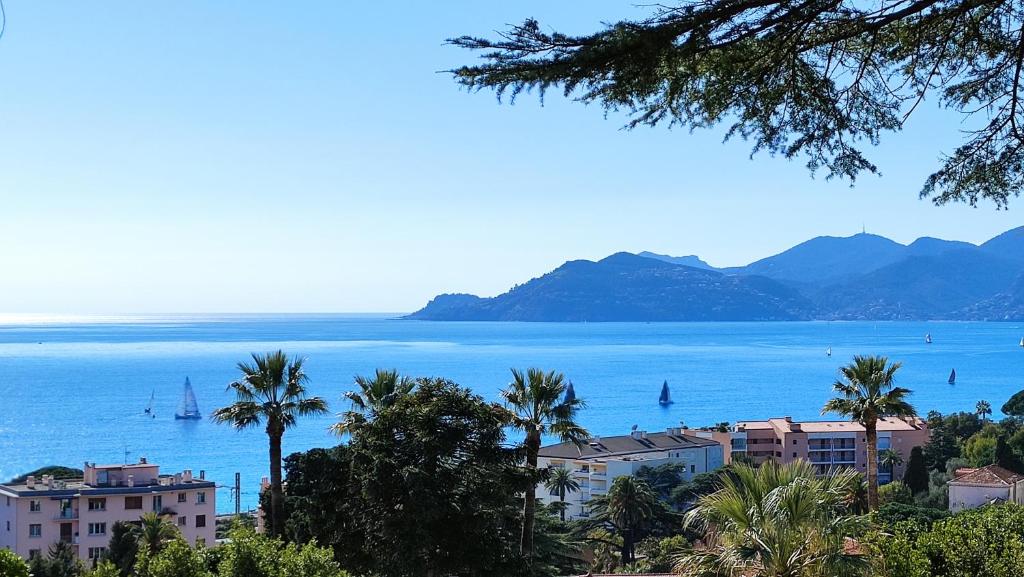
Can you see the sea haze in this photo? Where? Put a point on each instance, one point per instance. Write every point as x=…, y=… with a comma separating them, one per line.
x=76, y=391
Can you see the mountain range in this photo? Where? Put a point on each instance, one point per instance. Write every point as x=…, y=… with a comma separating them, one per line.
x=860, y=277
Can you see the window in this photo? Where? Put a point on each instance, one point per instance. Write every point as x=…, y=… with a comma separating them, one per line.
x=133, y=502
x=8, y=525
x=200, y=497
x=158, y=503
x=97, y=552
x=33, y=553
x=794, y=441
x=200, y=521
x=97, y=529
x=778, y=441
x=693, y=468
x=35, y=530
x=35, y=506
x=182, y=497
x=182, y=521
x=794, y=454
x=97, y=504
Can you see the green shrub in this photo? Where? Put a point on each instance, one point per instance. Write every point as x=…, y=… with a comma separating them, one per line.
x=11, y=565
x=895, y=492
x=985, y=542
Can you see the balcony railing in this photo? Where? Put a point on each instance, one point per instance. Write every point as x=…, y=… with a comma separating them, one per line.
x=66, y=515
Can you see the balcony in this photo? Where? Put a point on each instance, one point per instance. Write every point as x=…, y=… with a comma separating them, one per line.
x=598, y=490
x=66, y=515
x=598, y=475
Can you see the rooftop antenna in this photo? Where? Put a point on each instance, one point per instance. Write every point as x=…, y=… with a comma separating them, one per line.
x=126, y=453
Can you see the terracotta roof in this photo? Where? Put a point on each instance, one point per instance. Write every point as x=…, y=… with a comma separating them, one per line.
x=624, y=445
x=990, y=475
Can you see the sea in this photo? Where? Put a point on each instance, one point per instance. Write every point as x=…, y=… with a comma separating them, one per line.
x=75, y=389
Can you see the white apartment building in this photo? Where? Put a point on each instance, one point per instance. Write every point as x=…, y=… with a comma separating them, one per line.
x=601, y=460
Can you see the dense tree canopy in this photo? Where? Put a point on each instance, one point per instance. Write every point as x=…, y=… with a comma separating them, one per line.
x=434, y=487
x=816, y=79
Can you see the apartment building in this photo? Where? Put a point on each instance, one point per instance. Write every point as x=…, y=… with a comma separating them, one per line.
x=599, y=462
x=826, y=444
x=41, y=511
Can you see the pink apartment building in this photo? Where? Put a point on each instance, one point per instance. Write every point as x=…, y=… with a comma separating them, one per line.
x=826, y=444
x=41, y=511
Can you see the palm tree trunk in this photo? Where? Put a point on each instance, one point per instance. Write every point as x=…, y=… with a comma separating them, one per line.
x=530, y=499
x=561, y=498
x=872, y=439
x=627, y=547
x=276, y=492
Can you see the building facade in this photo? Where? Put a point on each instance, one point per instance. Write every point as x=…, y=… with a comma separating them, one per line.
x=601, y=460
x=825, y=444
x=988, y=485
x=39, y=512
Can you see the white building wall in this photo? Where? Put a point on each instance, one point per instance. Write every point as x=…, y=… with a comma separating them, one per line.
x=971, y=496
x=596, y=477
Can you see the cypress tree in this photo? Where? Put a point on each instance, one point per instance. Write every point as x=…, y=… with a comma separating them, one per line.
x=916, y=476
x=1005, y=456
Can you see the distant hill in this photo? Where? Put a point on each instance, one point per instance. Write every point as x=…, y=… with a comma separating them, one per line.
x=691, y=260
x=827, y=259
x=919, y=287
x=1009, y=245
x=861, y=277
x=627, y=287
x=57, y=471
x=1007, y=305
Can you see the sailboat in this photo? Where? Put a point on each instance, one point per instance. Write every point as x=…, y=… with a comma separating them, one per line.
x=149, y=407
x=928, y=338
x=188, y=409
x=666, y=397
x=1022, y=342
x=828, y=352
x=952, y=377
x=570, y=394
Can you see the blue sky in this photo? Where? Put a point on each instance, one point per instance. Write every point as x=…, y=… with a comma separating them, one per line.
x=258, y=156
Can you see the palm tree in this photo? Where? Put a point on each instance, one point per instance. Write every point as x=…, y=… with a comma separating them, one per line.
x=629, y=506
x=536, y=408
x=561, y=482
x=983, y=409
x=867, y=394
x=373, y=395
x=776, y=521
x=154, y=532
x=888, y=460
x=272, y=390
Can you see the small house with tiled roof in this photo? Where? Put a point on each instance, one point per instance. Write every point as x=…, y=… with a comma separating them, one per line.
x=983, y=486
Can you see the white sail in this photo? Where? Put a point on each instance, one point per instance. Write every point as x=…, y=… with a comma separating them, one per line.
x=188, y=409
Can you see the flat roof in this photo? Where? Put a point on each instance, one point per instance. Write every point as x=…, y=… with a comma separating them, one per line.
x=77, y=486
x=885, y=424
x=625, y=445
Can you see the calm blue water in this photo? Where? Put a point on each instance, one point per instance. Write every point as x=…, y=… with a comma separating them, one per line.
x=76, y=391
